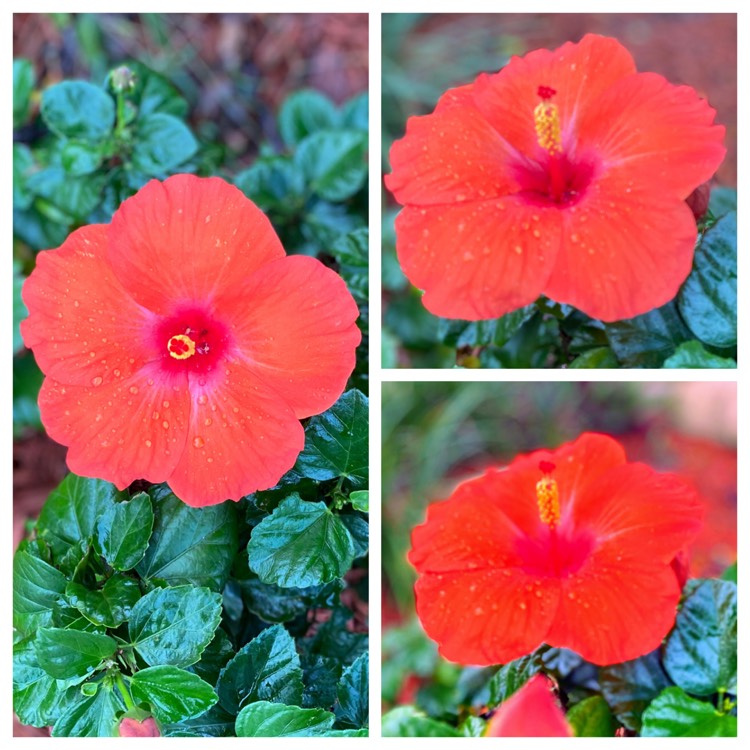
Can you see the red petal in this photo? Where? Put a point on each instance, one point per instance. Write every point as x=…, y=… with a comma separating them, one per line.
x=295, y=324
x=532, y=711
x=478, y=260
x=122, y=431
x=193, y=239
x=579, y=73
x=624, y=251
x=241, y=438
x=83, y=326
x=134, y=728
x=662, y=134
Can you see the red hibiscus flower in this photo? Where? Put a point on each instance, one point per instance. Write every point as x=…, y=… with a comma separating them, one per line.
x=571, y=548
x=533, y=711
x=564, y=174
x=181, y=344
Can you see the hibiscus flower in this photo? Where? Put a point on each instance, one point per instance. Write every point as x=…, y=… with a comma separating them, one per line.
x=565, y=174
x=181, y=344
x=533, y=711
x=572, y=548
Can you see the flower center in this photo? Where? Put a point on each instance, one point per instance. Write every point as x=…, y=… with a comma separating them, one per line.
x=181, y=346
x=548, y=496
x=547, y=122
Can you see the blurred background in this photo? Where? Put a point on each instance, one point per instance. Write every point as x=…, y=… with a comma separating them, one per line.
x=435, y=435
x=426, y=54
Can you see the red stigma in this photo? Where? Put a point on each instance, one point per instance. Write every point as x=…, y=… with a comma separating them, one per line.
x=545, y=92
x=546, y=467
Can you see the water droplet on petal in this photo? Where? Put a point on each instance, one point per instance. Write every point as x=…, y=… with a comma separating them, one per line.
x=97, y=381
x=202, y=399
x=198, y=442
x=133, y=389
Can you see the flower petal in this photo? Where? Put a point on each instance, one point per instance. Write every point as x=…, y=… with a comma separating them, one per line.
x=194, y=239
x=241, y=438
x=83, y=326
x=626, y=250
x=661, y=133
x=532, y=711
x=130, y=429
x=579, y=74
x=296, y=329
x=480, y=259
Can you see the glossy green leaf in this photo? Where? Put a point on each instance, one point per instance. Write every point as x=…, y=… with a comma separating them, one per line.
x=512, y=676
x=359, y=529
x=692, y=355
x=216, y=722
x=64, y=653
x=407, y=721
x=355, y=113
x=353, y=694
x=592, y=718
x=80, y=158
x=66, y=198
x=124, y=530
x=305, y=112
x=264, y=719
x=461, y=333
x=109, y=606
x=190, y=545
x=336, y=442
x=95, y=716
x=23, y=87
x=321, y=676
x=629, y=687
x=36, y=588
x=162, y=143
x=360, y=500
x=352, y=253
x=275, y=604
x=37, y=698
x=72, y=511
x=266, y=669
x=174, y=625
x=336, y=640
x=708, y=299
x=334, y=162
x=300, y=544
x=601, y=357
x=647, y=340
x=154, y=93
x=701, y=652
x=472, y=726
x=214, y=658
x=273, y=182
x=77, y=109
x=673, y=713
x=173, y=694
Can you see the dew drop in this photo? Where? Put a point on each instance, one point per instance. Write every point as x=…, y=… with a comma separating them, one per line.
x=522, y=605
x=165, y=425
x=198, y=442
x=202, y=399
x=155, y=415
x=97, y=381
x=166, y=404
x=518, y=250
x=133, y=389
x=208, y=421
x=148, y=443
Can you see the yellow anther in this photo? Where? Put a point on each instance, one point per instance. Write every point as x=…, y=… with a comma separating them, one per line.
x=181, y=346
x=547, y=126
x=548, y=496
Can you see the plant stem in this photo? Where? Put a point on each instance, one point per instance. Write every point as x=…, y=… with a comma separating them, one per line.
x=123, y=688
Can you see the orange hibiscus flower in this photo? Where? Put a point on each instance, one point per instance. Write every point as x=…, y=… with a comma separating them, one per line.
x=181, y=344
x=564, y=174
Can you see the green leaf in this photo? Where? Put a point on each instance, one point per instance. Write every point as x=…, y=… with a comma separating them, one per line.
x=407, y=721
x=124, y=530
x=356, y=113
x=334, y=162
x=23, y=162
x=173, y=694
x=336, y=640
x=352, y=253
x=701, y=652
x=110, y=606
x=730, y=574
x=264, y=719
x=601, y=357
x=472, y=726
x=75, y=197
x=95, y=716
x=64, y=653
x=305, y=112
x=647, y=340
x=708, y=299
x=321, y=677
x=266, y=669
x=273, y=182
x=216, y=722
x=37, y=698
x=214, y=658
x=359, y=529
x=353, y=694
x=23, y=88
x=592, y=718
x=77, y=109
x=512, y=676
x=174, y=625
x=275, y=604
x=629, y=687
x=162, y=144
x=673, y=713
x=36, y=588
x=80, y=158
x=300, y=544
x=722, y=201
x=336, y=442
x=360, y=500
x=190, y=545
x=691, y=355
x=72, y=511
x=461, y=333
x=154, y=93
